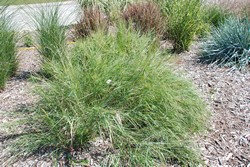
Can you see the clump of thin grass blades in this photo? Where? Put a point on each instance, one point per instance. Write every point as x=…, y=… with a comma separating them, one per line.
x=145, y=17
x=8, y=63
x=93, y=19
x=215, y=15
x=51, y=35
x=116, y=88
x=229, y=44
x=184, y=21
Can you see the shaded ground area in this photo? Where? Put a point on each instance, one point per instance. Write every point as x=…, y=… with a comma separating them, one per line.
x=227, y=142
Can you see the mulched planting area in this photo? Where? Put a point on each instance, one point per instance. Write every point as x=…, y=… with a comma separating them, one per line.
x=226, y=91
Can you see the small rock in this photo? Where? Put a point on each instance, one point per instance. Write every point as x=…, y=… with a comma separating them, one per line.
x=229, y=156
x=243, y=141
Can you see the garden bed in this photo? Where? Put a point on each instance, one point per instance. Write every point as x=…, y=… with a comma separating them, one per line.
x=117, y=96
x=226, y=91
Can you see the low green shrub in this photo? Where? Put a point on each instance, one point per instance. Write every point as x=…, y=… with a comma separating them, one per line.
x=184, y=21
x=228, y=44
x=116, y=88
x=8, y=62
x=145, y=17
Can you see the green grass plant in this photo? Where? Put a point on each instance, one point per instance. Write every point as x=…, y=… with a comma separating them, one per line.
x=184, y=21
x=229, y=44
x=116, y=88
x=28, y=40
x=8, y=63
x=215, y=15
x=50, y=34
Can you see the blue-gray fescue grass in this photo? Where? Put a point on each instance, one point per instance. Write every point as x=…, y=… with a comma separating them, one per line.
x=229, y=44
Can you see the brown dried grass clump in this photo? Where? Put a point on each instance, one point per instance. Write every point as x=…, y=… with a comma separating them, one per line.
x=145, y=17
x=92, y=20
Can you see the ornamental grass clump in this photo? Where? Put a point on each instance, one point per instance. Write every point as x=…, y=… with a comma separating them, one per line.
x=145, y=17
x=8, y=62
x=184, y=21
x=117, y=89
x=51, y=35
x=215, y=15
x=229, y=44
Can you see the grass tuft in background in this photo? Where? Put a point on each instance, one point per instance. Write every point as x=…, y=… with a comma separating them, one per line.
x=93, y=19
x=215, y=15
x=145, y=17
x=184, y=21
x=229, y=44
x=50, y=34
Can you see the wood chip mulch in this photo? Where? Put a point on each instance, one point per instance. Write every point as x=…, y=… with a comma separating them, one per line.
x=227, y=92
